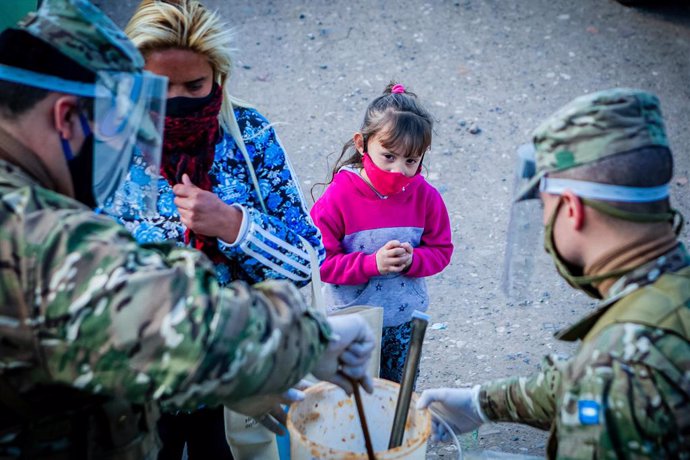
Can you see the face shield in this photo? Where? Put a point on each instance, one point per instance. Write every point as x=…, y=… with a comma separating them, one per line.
x=129, y=111
x=525, y=229
x=128, y=115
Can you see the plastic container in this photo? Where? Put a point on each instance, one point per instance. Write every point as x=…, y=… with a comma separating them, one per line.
x=326, y=425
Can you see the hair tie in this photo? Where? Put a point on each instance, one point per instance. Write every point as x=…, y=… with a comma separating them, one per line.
x=397, y=89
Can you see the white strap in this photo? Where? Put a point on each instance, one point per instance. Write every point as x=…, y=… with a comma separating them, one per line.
x=317, y=300
x=234, y=128
x=46, y=82
x=608, y=192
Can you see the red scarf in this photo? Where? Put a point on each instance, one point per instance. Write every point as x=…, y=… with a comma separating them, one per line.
x=189, y=145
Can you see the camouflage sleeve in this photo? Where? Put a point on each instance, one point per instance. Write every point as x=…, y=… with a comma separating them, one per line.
x=627, y=395
x=528, y=400
x=152, y=323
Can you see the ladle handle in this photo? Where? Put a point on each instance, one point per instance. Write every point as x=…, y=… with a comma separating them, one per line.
x=414, y=353
x=363, y=420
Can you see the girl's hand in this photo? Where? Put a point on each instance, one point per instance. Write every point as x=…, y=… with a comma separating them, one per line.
x=410, y=250
x=393, y=257
x=204, y=213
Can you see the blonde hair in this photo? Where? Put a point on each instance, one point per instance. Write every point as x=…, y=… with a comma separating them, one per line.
x=185, y=24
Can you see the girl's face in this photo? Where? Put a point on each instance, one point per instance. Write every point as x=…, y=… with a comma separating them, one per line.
x=189, y=73
x=386, y=159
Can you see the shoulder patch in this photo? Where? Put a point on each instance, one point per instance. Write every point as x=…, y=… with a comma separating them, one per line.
x=588, y=412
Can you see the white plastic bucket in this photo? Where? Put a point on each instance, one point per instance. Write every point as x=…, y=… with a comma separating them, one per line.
x=326, y=425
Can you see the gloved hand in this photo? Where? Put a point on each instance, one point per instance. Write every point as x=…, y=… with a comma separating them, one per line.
x=459, y=407
x=347, y=354
x=268, y=409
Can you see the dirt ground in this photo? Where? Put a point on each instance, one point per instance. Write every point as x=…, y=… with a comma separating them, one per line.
x=489, y=70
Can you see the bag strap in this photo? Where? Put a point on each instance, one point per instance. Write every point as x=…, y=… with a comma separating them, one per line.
x=229, y=122
x=317, y=300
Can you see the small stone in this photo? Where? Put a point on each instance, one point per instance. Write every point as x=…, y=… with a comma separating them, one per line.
x=474, y=129
x=310, y=36
x=681, y=181
x=246, y=67
x=323, y=66
x=302, y=16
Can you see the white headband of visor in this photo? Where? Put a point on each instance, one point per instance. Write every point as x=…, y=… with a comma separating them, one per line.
x=606, y=192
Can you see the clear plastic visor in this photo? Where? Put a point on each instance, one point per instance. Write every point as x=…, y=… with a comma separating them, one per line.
x=525, y=229
x=129, y=112
x=128, y=116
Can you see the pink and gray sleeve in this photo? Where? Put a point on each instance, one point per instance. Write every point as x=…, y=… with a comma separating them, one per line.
x=436, y=247
x=340, y=267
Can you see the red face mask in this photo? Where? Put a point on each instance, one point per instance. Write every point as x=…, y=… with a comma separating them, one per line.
x=385, y=182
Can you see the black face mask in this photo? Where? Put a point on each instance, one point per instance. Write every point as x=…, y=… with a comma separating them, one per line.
x=185, y=106
x=81, y=170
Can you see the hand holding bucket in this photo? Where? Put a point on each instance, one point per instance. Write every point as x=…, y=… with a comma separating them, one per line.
x=347, y=354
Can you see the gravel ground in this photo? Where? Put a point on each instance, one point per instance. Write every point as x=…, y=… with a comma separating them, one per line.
x=489, y=70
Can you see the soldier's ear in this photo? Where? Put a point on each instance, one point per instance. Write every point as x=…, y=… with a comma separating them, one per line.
x=66, y=116
x=574, y=209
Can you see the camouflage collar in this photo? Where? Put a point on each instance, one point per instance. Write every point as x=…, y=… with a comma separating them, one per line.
x=32, y=170
x=674, y=260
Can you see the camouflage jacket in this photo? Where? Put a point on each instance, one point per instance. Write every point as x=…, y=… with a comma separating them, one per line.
x=83, y=306
x=626, y=392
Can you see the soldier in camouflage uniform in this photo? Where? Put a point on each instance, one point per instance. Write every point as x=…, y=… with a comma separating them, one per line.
x=603, y=167
x=96, y=331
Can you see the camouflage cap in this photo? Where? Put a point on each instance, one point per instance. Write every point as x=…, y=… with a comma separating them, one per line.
x=82, y=32
x=593, y=127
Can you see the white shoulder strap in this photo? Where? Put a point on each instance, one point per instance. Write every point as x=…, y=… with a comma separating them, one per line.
x=317, y=300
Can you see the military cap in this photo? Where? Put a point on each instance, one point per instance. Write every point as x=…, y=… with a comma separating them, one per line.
x=83, y=33
x=593, y=127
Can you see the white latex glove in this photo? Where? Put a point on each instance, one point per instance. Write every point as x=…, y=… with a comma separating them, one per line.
x=459, y=407
x=268, y=409
x=303, y=384
x=347, y=354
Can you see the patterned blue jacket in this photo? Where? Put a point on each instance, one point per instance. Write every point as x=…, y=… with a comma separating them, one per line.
x=268, y=245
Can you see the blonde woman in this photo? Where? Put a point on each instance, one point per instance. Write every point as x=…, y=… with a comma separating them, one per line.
x=226, y=186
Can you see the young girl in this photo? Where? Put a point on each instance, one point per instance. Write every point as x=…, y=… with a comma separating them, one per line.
x=383, y=226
